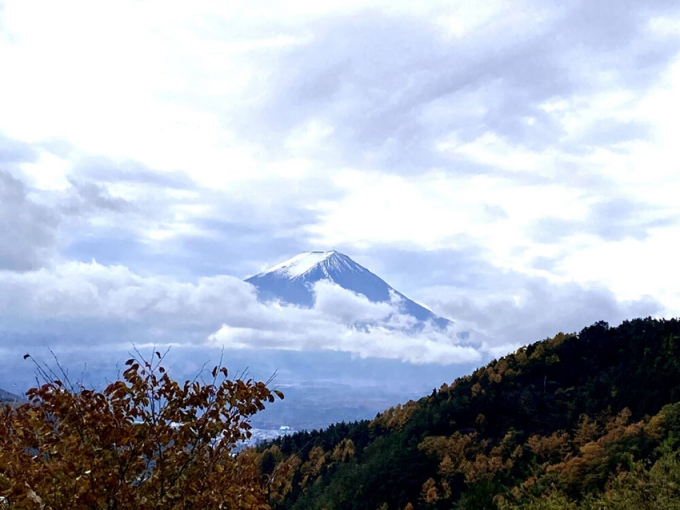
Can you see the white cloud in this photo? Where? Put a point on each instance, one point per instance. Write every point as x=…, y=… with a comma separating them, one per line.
x=428, y=346
x=27, y=228
x=75, y=290
x=249, y=131
x=510, y=309
x=347, y=307
x=218, y=311
x=489, y=149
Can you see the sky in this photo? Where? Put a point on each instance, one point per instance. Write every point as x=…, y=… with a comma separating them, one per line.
x=511, y=165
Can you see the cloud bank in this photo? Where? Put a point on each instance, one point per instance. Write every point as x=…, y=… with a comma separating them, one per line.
x=219, y=311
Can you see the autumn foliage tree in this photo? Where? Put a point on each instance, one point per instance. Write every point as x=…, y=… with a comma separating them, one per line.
x=587, y=421
x=144, y=442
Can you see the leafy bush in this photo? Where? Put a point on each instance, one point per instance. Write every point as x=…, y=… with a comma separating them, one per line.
x=143, y=442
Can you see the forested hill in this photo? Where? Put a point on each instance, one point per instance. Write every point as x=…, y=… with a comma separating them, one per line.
x=568, y=422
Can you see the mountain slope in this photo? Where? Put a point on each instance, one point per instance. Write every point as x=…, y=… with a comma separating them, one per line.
x=292, y=281
x=559, y=417
x=6, y=396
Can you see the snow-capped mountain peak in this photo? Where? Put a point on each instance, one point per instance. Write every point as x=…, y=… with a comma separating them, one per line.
x=304, y=263
x=292, y=281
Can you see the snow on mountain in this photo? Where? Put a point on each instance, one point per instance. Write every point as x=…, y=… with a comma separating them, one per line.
x=303, y=263
x=292, y=281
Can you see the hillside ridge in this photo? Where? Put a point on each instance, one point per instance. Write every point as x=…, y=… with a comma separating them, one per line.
x=525, y=418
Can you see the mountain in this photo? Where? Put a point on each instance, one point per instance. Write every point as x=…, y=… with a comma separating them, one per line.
x=292, y=281
x=6, y=396
x=587, y=420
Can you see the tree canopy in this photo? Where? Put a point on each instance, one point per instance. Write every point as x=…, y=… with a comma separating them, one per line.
x=144, y=442
x=585, y=420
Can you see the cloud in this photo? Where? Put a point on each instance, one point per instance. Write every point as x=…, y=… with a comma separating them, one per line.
x=612, y=219
x=263, y=131
x=377, y=342
x=27, y=229
x=13, y=151
x=386, y=88
x=110, y=171
x=76, y=290
x=96, y=303
x=122, y=212
x=514, y=310
x=478, y=159
x=508, y=308
x=348, y=307
x=89, y=196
